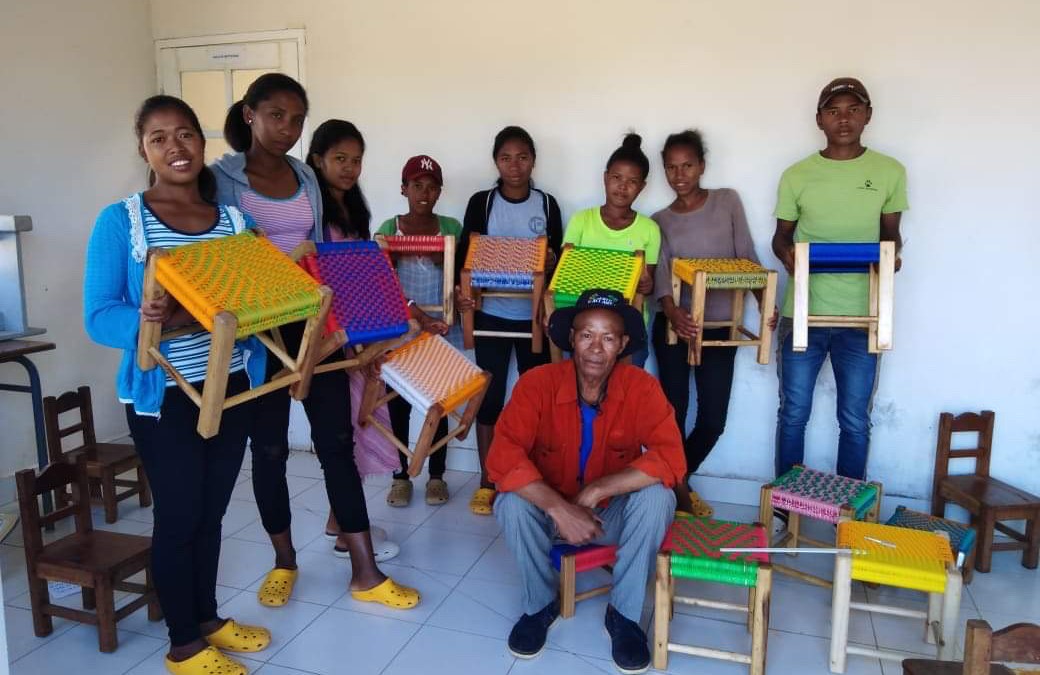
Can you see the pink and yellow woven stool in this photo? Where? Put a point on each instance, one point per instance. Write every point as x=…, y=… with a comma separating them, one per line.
x=821, y=496
x=437, y=380
x=735, y=275
x=581, y=268
x=436, y=246
x=691, y=551
x=876, y=260
x=368, y=316
x=569, y=560
x=902, y=558
x=234, y=287
x=504, y=267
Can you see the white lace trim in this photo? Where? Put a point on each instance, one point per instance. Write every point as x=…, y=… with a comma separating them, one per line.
x=238, y=223
x=138, y=245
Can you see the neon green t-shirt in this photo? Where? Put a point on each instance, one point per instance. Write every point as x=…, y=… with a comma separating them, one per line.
x=839, y=201
x=586, y=228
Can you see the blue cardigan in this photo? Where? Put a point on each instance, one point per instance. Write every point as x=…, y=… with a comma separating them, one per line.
x=112, y=286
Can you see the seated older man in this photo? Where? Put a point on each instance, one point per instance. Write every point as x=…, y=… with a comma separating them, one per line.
x=587, y=451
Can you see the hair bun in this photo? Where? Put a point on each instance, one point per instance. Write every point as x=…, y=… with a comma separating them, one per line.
x=633, y=141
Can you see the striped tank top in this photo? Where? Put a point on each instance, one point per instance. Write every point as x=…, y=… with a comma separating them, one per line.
x=189, y=354
x=286, y=222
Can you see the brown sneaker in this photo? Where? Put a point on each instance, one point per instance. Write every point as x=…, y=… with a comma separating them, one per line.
x=400, y=494
x=436, y=492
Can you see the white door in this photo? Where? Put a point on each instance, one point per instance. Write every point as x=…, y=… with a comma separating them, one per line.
x=211, y=73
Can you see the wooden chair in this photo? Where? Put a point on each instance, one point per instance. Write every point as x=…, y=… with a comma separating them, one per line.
x=98, y=561
x=987, y=499
x=569, y=560
x=428, y=245
x=1017, y=643
x=105, y=461
x=875, y=260
x=738, y=276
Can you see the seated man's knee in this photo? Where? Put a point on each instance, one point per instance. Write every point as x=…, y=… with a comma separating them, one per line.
x=654, y=499
x=511, y=508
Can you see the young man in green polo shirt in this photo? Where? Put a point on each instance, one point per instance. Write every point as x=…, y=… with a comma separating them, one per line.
x=843, y=193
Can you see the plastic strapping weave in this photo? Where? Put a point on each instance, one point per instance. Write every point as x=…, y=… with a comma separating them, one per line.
x=962, y=537
x=586, y=557
x=414, y=244
x=694, y=545
x=243, y=274
x=915, y=560
x=505, y=263
x=583, y=268
x=821, y=495
x=721, y=272
x=842, y=258
x=428, y=370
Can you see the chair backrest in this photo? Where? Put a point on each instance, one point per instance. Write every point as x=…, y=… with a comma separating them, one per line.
x=57, y=476
x=1017, y=643
x=52, y=411
x=969, y=422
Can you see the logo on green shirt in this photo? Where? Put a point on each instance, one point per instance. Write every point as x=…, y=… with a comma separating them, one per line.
x=867, y=185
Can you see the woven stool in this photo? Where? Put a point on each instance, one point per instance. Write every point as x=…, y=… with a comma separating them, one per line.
x=878, y=261
x=903, y=558
x=428, y=245
x=691, y=551
x=368, y=314
x=725, y=274
x=569, y=560
x=436, y=379
x=962, y=537
x=504, y=267
x=820, y=496
x=234, y=287
x=581, y=268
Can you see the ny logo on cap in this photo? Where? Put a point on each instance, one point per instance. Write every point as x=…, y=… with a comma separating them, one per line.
x=426, y=164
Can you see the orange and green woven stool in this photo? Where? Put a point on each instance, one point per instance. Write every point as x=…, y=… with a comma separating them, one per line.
x=901, y=558
x=691, y=551
x=234, y=287
x=735, y=275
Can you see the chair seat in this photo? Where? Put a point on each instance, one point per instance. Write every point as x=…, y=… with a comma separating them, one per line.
x=587, y=557
x=962, y=537
x=930, y=667
x=97, y=551
x=990, y=492
x=694, y=545
x=428, y=371
x=505, y=263
x=722, y=273
x=906, y=559
x=583, y=268
x=822, y=495
x=113, y=454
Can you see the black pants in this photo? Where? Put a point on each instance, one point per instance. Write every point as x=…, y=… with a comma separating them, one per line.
x=191, y=480
x=493, y=356
x=713, y=379
x=328, y=411
x=400, y=415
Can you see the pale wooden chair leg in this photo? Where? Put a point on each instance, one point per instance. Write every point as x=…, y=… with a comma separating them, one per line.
x=951, y=608
x=800, y=334
x=149, y=333
x=700, y=289
x=935, y=603
x=794, y=526
x=765, y=511
x=662, y=610
x=555, y=353
x=736, y=316
x=108, y=638
x=537, y=290
x=448, y=280
x=760, y=620
x=310, y=346
x=886, y=294
x=750, y=608
x=426, y=437
x=765, y=333
x=568, y=586
x=466, y=289
x=222, y=342
x=108, y=495
x=671, y=337
x=841, y=597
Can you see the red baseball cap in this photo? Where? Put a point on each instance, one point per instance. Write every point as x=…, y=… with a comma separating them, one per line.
x=421, y=165
x=843, y=85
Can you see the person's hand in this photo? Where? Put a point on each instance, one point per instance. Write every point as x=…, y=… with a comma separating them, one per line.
x=899, y=263
x=463, y=302
x=646, y=282
x=682, y=323
x=159, y=310
x=787, y=260
x=773, y=320
x=432, y=325
x=575, y=524
x=589, y=496
x=550, y=262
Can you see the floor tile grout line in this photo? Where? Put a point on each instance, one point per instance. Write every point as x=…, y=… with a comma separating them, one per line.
x=150, y=655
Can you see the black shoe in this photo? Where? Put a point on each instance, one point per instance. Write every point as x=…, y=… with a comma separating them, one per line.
x=527, y=639
x=627, y=643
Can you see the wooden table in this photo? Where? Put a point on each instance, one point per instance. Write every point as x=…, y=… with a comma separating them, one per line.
x=928, y=667
x=17, y=351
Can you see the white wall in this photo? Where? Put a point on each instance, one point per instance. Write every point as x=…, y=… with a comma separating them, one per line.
x=72, y=76
x=955, y=99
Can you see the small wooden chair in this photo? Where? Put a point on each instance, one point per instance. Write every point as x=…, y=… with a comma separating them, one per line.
x=987, y=499
x=428, y=245
x=105, y=461
x=98, y=561
x=1017, y=643
x=725, y=274
x=582, y=268
x=876, y=260
x=235, y=287
x=569, y=560
x=437, y=380
x=511, y=267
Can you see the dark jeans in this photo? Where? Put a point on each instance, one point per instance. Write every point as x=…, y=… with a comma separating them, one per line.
x=855, y=377
x=191, y=480
x=493, y=356
x=400, y=414
x=713, y=379
x=328, y=411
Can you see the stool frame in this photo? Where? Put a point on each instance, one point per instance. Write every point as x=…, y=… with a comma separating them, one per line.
x=397, y=245
x=569, y=596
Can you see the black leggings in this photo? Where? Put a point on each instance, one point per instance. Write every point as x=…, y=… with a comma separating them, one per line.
x=493, y=356
x=191, y=480
x=713, y=379
x=400, y=417
x=328, y=411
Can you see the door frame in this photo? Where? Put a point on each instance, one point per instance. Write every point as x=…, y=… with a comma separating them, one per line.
x=297, y=34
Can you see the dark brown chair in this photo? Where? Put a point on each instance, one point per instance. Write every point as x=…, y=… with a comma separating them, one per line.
x=987, y=499
x=105, y=461
x=1018, y=643
x=100, y=562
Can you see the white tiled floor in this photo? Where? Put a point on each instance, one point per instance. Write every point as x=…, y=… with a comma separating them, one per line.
x=470, y=601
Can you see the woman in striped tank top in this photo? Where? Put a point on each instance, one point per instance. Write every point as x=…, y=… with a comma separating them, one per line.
x=282, y=195
x=191, y=477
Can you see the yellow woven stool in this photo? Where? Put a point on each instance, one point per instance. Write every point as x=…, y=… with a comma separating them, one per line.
x=903, y=558
x=725, y=274
x=436, y=379
x=235, y=287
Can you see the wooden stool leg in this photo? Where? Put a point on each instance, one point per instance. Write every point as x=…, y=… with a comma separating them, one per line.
x=765, y=333
x=800, y=334
x=555, y=353
x=760, y=620
x=886, y=285
x=840, y=609
x=671, y=337
x=951, y=609
x=765, y=511
x=537, y=335
x=986, y=527
x=466, y=290
x=108, y=495
x=222, y=343
x=750, y=608
x=935, y=610
x=700, y=290
x=1032, y=552
x=794, y=526
x=144, y=497
x=422, y=445
x=662, y=610
x=568, y=586
x=106, y=614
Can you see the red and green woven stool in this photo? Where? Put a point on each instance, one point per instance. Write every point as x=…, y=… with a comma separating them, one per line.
x=569, y=560
x=691, y=551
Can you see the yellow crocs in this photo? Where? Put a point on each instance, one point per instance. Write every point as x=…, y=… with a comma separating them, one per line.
x=237, y=637
x=701, y=508
x=277, y=587
x=480, y=502
x=210, y=661
x=389, y=593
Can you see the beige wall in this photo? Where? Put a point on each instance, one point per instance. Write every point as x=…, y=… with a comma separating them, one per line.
x=71, y=77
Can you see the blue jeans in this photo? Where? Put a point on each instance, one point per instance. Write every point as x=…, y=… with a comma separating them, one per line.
x=855, y=376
